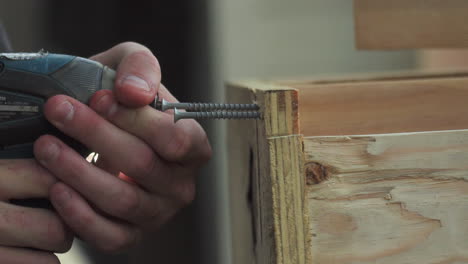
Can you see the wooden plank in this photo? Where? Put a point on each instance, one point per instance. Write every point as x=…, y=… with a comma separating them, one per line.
x=382, y=105
x=266, y=179
x=386, y=198
x=411, y=24
x=394, y=198
x=287, y=184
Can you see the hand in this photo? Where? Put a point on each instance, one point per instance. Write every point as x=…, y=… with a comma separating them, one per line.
x=146, y=166
x=23, y=230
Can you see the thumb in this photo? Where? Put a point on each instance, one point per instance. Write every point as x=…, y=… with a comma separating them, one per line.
x=138, y=73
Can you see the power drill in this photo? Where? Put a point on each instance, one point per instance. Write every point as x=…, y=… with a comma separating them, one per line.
x=27, y=80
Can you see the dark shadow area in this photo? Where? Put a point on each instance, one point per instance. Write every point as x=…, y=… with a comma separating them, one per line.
x=88, y=27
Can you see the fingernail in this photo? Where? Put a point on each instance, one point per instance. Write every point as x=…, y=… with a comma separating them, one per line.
x=63, y=112
x=48, y=153
x=61, y=198
x=136, y=82
x=106, y=105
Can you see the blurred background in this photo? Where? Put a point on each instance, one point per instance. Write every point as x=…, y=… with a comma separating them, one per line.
x=200, y=45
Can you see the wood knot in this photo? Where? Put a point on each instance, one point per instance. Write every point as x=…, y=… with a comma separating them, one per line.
x=315, y=173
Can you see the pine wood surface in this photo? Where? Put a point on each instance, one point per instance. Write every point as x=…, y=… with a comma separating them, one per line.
x=266, y=180
x=383, y=106
x=411, y=24
x=338, y=188
x=388, y=198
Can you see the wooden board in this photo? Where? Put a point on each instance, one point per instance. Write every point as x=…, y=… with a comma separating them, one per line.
x=266, y=179
x=394, y=198
x=325, y=197
x=411, y=24
x=383, y=105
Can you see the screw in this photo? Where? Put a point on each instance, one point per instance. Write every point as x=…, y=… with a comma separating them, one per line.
x=215, y=115
x=164, y=105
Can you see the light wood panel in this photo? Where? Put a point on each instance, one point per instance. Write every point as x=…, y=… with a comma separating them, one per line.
x=383, y=106
x=411, y=24
x=339, y=197
x=266, y=179
x=395, y=198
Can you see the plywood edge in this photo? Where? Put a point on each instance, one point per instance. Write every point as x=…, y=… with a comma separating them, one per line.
x=268, y=155
x=278, y=105
x=280, y=181
x=289, y=211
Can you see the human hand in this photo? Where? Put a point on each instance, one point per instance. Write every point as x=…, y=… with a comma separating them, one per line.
x=147, y=163
x=28, y=235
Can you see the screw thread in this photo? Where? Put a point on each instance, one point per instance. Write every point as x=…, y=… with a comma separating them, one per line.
x=164, y=105
x=197, y=107
x=227, y=115
x=216, y=115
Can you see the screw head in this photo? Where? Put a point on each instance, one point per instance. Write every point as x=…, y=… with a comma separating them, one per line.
x=176, y=115
x=165, y=105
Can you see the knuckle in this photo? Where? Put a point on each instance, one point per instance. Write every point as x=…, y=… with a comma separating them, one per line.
x=180, y=145
x=128, y=201
x=84, y=220
x=147, y=58
x=141, y=52
x=144, y=164
x=192, y=143
x=45, y=178
x=78, y=218
x=94, y=124
x=78, y=168
x=58, y=236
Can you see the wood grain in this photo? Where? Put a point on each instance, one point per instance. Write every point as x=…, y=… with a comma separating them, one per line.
x=411, y=24
x=383, y=106
x=394, y=198
x=266, y=179
x=287, y=183
x=355, y=189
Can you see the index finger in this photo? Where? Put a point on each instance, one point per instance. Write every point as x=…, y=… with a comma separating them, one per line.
x=184, y=142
